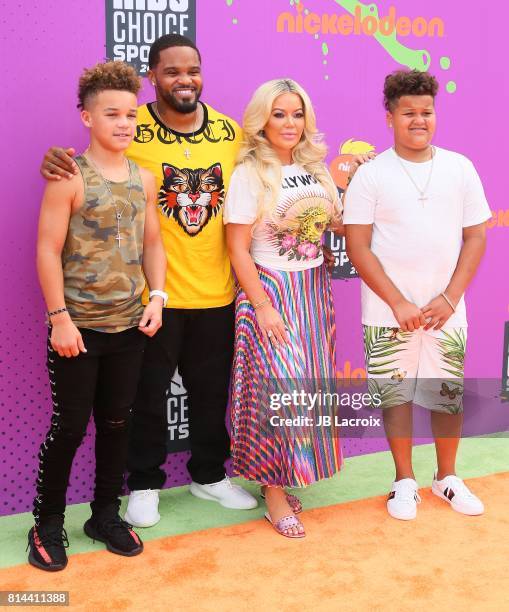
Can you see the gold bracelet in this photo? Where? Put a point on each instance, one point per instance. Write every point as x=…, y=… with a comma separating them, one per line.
x=448, y=301
x=261, y=303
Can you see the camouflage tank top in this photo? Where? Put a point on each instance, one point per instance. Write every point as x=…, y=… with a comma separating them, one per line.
x=103, y=276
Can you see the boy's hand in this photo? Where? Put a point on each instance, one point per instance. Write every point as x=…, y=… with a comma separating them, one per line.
x=437, y=311
x=66, y=339
x=152, y=318
x=58, y=163
x=408, y=316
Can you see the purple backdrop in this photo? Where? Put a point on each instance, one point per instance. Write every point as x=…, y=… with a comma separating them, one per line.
x=46, y=45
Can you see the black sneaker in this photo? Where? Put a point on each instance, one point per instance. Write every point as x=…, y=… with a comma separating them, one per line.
x=47, y=543
x=118, y=535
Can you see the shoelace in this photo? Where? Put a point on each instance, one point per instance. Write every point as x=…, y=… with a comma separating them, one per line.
x=115, y=523
x=52, y=538
x=147, y=493
x=226, y=480
x=407, y=493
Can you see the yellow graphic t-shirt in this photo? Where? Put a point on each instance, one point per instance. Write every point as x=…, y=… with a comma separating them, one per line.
x=192, y=175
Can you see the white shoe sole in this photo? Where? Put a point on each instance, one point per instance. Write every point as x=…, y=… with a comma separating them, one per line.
x=139, y=524
x=439, y=494
x=203, y=495
x=402, y=518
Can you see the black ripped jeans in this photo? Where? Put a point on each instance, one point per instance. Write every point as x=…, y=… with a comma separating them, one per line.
x=102, y=381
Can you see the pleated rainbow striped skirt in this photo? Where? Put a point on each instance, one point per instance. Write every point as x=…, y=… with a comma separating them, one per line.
x=262, y=452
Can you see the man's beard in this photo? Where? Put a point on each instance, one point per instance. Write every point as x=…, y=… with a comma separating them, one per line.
x=181, y=106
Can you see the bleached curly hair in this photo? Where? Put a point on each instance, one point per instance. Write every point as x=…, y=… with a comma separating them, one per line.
x=107, y=75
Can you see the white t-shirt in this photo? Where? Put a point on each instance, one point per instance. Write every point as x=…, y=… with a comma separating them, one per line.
x=303, y=211
x=417, y=242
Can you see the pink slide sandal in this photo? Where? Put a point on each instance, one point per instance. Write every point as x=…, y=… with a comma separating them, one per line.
x=293, y=501
x=285, y=523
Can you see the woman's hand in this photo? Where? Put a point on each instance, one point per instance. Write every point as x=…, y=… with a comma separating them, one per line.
x=66, y=339
x=271, y=324
x=357, y=161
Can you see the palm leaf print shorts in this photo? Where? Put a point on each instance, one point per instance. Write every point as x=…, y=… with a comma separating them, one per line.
x=424, y=366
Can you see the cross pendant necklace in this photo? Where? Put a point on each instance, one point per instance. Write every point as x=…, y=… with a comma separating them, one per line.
x=422, y=192
x=118, y=237
x=118, y=214
x=186, y=151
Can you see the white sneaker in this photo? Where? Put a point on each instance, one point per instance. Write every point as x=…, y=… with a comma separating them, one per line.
x=225, y=493
x=142, y=508
x=454, y=491
x=403, y=499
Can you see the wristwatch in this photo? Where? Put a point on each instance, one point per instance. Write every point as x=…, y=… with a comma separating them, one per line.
x=161, y=294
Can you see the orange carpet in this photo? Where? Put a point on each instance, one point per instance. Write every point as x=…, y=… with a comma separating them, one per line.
x=355, y=557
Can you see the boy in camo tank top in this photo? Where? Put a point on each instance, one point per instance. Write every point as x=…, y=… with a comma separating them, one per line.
x=98, y=241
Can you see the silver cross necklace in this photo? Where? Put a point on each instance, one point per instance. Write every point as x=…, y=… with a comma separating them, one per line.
x=118, y=214
x=422, y=192
x=186, y=151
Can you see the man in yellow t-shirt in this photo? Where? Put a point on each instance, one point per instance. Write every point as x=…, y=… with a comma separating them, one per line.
x=190, y=149
x=192, y=173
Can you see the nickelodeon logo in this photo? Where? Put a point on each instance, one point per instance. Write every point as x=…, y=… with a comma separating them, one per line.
x=357, y=24
x=340, y=166
x=348, y=373
x=499, y=218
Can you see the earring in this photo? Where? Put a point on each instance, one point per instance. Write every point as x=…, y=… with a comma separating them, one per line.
x=153, y=82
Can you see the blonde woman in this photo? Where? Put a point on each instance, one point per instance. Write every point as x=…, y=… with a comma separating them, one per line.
x=280, y=200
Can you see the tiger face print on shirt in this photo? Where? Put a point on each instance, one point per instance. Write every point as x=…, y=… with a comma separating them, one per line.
x=191, y=196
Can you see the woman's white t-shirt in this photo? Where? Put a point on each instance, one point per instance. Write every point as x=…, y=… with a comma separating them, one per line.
x=290, y=238
x=418, y=242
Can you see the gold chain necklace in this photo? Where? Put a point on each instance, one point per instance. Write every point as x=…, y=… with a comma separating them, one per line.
x=118, y=215
x=422, y=192
x=186, y=151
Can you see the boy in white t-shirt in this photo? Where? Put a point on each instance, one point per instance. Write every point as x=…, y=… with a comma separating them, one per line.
x=415, y=222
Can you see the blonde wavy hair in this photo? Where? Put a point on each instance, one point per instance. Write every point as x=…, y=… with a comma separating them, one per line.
x=260, y=159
